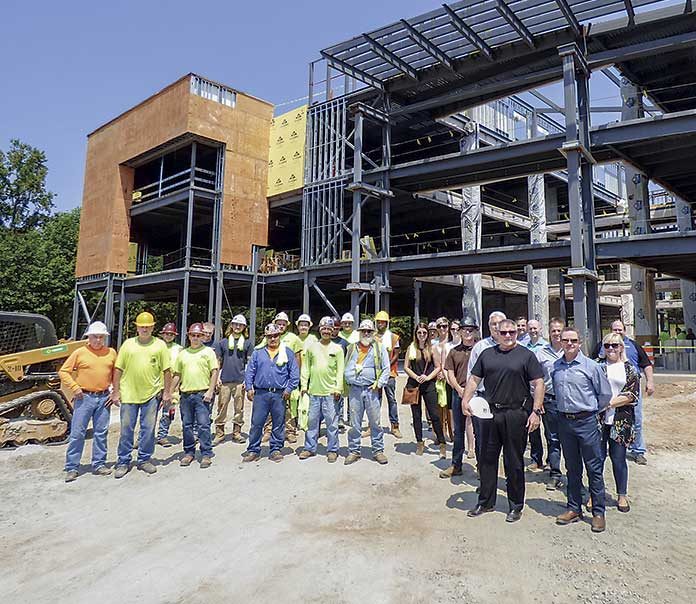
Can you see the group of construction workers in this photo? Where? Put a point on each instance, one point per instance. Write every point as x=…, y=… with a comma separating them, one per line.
x=589, y=410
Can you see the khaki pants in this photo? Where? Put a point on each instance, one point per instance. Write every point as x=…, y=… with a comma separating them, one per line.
x=228, y=391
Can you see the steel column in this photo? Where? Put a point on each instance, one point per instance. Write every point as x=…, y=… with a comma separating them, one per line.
x=305, y=292
x=471, y=220
x=688, y=288
x=255, y=261
x=356, y=224
x=121, y=312
x=416, y=301
x=75, y=315
x=184, y=309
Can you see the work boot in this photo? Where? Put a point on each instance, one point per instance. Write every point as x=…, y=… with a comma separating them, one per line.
x=598, y=524
x=451, y=471
x=291, y=437
x=148, y=467
x=219, y=437
x=249, y=456
x=237, y=435
x=443, y=451
x=121, y=471
x=102, y=471
x=380, y=458
x=186, y=461
x=164, y=442
x=640, y=460
x=71, y=476
x=332, y=457
x=265, y=437
x=352, y=458
x=206, y=462
x=395, y=431
x=420, y=447
x=306, y=454
x=276, y=456
x=365, y=432
x=568, y=517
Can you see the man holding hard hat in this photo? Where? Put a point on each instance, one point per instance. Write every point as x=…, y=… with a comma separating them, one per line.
x=509, y=370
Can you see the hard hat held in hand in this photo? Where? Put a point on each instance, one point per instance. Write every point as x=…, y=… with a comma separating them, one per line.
x=145, y=319
x=479, y=407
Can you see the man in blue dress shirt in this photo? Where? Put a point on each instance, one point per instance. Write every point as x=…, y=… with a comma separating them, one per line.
x=582, y=391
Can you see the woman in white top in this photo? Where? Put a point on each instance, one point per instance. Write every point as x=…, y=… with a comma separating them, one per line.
x=618, y=420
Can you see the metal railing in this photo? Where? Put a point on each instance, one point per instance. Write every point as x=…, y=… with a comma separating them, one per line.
x=155, y=263
x=202, y=179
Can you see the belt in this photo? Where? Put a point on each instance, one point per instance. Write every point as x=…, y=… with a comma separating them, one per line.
x=501, y=406
x=269, y=389
x=580, y=415
x=96, y=392
x=193, y=391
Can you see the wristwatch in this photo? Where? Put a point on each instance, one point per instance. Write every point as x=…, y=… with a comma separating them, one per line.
x=539, y=412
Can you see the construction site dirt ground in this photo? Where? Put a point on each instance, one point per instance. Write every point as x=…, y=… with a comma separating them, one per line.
x=309, y=531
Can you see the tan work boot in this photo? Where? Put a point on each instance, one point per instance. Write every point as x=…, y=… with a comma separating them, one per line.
x=451, y=471
x=237, y=435
x=568, y=517
x=395, y=431
x=291, y=437
x=332, y=457
x=380, y=458
x=306, y=454
x=352, y=458
x=420, y=447
x=219, y=435
x=443, y=451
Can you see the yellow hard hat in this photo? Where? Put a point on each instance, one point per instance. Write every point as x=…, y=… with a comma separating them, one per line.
x=382, y=316
x=145, y=319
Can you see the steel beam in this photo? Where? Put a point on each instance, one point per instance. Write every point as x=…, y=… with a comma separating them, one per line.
x=430, y=47
x=183, y=325
x=253, y=293
x=390, y=57
x=570, y=17
x=465, y=29
x=75, y=315
x=630, y=12
x=357, y=215
x=326, y=301
x=516, y=23
x=353, y=72
x=121, y=312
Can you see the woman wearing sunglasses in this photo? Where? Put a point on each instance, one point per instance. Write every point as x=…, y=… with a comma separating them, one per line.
x=422, y=371
x=618, y=419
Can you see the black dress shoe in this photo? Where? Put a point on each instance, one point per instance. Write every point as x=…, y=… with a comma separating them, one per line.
x=478, y=510
x=513, y=516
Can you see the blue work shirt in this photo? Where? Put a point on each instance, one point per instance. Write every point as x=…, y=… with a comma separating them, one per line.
x=535, y=347
x=580, y=385
x=263, y=372
x=367, y=375
x=547, y=356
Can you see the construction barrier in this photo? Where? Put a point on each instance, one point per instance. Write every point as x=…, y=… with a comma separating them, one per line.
x=676, y=357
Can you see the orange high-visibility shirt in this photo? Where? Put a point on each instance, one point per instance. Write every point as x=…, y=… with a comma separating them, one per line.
x=89, y=369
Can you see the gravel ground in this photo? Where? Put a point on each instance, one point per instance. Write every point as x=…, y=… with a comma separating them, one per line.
x=308, y=531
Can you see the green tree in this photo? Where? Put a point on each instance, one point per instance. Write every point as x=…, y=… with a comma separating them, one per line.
x=38, y=269
x=24, y=201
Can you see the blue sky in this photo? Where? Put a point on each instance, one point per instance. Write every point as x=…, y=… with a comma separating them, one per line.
x=71, y=66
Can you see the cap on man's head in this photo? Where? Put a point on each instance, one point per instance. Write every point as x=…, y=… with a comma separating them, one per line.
x=432, y=325
x=347, y=318
x=469, y=322
x=366, y=325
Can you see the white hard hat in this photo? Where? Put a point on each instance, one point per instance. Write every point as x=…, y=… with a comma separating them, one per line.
x=281, y=316
x=479, y=407
x=240, y=320
x=366, y=325
x=348, y=317
x=97, y=329
x=303, y=317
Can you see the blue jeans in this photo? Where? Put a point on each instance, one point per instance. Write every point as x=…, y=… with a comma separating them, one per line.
x=617, y=453
x=166, y=420
x=363, y=400
x=89, y=407
x=553, y=443
x=638, y=446
x=581, y=440
x=325, y=407
x=146, y=439
x=194, y=410
x=390, y=392
x=266, y=403
x=459, y=428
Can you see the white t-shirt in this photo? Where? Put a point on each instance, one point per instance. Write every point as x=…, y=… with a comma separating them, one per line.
x=616, y=373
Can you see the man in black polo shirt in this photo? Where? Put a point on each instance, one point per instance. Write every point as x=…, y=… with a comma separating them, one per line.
x=508, y=369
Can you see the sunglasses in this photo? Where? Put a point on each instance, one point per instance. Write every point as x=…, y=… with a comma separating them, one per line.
x=443, y=326
x=195, y=335
x=570, y=340
x=454, y=328
x=512, y=332
x=612, y=346
x=468, y=329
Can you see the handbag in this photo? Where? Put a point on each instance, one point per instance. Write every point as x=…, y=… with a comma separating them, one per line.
x=411, y=394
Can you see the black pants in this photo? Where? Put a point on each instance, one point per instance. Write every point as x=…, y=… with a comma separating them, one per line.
x=508, y=431
x=430, y=399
